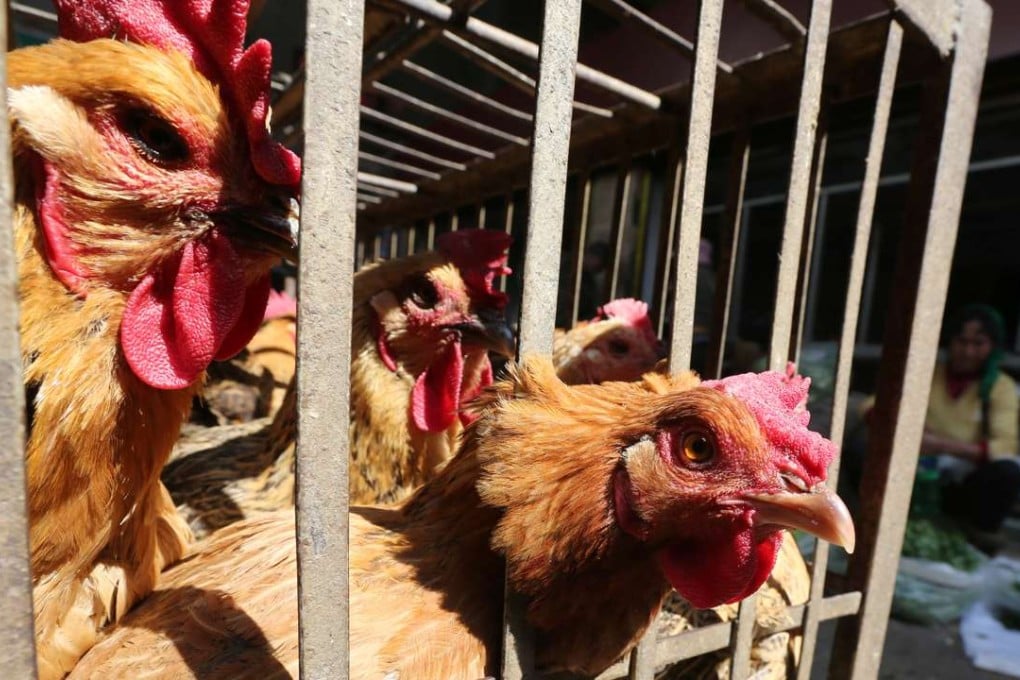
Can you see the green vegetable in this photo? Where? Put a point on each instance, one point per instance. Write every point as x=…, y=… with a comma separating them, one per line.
x=926, y=541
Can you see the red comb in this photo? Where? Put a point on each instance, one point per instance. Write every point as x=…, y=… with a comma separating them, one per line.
x=481, y=256
x=631, y=311
x=779, y=402
x=279, y=304
x=211, y=32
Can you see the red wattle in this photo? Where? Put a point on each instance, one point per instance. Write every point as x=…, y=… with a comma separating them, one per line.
x=472, y=391
x=59, y=249
x=190, y=310
x=436, y=394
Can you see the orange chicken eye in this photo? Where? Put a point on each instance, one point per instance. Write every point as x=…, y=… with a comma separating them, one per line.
x=698, y=448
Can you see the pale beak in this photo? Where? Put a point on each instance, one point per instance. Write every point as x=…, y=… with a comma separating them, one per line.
x=819, y=511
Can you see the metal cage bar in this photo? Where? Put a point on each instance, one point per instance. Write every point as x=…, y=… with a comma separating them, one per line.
x=695, y=163
x=911, y=337
x=16, y=630
x=561, y=27
x=324, y=331
x=851, y=313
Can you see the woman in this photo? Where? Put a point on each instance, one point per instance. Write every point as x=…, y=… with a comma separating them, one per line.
x=971, y=423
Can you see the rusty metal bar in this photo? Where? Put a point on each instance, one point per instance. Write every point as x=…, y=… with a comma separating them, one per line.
x=800, y=179
x=729, y=241
x=324, y=346
x=855, y=286
x=465, y=92
x=397, y=165
x=387, y=183
x=699, y=131
x=557, y=64
x=807, y=251
x=382, y=141
x=584, y=207
x=664, y=34
x=427, y=134
x=449, y=115
x=777, y=16
x=938, y=177
x=622, y=200
x=438, y=13
x=501, y=69
x=17, y=638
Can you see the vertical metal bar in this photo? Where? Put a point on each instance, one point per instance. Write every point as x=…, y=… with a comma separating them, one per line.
x=855, y=285
x=623, y=184
x=16, y=632
x=549, y=151
x=431, y=240
x=481, y=215
x=911, y=337
x=699, y=131
x=412, y=237
x=800, y=180
x=584, y=204
x=394, y=244
x=329, y=188
x=508, y=227
x=455, y=220
x=729, y=240
x=670, y=212
x=813, y=293
x=805, y=271
x=376, y=247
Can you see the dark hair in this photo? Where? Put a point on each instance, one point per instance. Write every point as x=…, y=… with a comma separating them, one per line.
x=992, y=326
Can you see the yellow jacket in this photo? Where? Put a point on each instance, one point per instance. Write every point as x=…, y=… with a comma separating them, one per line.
x=960, y=418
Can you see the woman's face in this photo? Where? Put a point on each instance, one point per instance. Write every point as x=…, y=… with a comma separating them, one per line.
x=969, y=349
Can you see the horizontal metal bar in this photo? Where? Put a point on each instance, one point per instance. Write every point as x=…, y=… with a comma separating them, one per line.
x=624, y=11
x=422, y=132
x=465, y=92
x=436, y=12
x=388, y=183
x=781, y=19
x=408, y=151
x=379, y=191
x=496, y=66
x=17, y=640
x=368, y=198
x=334, y=29
x=397, y=165
x=936, y=19
x=449, y=115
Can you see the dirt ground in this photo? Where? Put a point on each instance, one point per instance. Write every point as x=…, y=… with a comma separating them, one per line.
x=914, y=653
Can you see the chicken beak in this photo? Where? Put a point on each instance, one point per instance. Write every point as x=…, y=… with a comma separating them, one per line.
x=819, y=511
x=489, y=329
x=270, y=229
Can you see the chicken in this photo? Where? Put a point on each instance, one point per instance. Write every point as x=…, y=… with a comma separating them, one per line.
x=422, y=329
x=618, y=344
x=150, y=204
x=598, y=499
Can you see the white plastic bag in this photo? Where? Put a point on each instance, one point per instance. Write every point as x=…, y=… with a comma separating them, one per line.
x=929, y=592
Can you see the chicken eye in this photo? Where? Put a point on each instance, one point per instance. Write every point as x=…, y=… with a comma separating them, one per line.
x=423, y=294
x=698, y=448
x=618, y=347
x=154, y=138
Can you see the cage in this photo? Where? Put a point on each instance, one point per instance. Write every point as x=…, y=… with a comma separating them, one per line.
x=557, y=143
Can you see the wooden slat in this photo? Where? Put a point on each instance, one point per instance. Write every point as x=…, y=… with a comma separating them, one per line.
x=550, y=148
x=699, y=132
x=938, y=177
x=324, y=337
x=16, y=633
x=851, y=311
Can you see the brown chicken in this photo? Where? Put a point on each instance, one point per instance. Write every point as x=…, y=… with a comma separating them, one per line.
x=422, y=330
x=597, y=498
x=618, y=344
x=150, y=205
